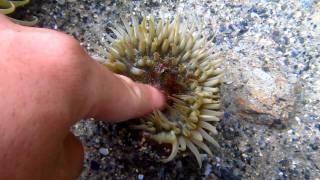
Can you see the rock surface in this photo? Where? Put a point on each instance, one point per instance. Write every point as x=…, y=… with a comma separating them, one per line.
x=261, y=97
x=271, y=94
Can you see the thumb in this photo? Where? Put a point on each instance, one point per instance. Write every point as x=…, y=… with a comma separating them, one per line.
x=118, y=98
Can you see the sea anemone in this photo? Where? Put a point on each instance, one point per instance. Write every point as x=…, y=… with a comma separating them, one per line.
x=180, y=61
x=8, y=7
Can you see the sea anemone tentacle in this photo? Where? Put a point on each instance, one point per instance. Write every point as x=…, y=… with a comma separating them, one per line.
x=20, y=3
x=168, y=138
x=31, y=22
x=8, y=7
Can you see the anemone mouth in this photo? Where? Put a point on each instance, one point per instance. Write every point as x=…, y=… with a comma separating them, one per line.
x=165, y=75
x=180, y=61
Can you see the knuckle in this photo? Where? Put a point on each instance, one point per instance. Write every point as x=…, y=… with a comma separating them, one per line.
x=66, y=61
x=65, y=54
x=63, y=44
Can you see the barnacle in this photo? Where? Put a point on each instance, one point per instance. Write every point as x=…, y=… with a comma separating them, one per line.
x=179, y=60
x=8, y=7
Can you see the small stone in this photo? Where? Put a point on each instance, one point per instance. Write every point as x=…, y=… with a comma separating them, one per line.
x=140, y=177
x=208, y=170
x=222, y=28
x=104, y=151
x=94, y=165
x=314, y=146
x=61, y=2
x=297, y=119
x=226, y=115
x=280, y=173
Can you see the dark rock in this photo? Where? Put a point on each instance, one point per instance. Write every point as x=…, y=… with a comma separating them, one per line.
x=225, y=173
x=314, y=146
x=94, y=165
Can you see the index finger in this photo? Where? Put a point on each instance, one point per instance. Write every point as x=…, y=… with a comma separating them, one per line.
x=118, y=98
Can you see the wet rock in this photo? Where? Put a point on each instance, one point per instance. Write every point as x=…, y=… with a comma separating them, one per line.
x=94, y=165
x=104, y=151
x=263, y=98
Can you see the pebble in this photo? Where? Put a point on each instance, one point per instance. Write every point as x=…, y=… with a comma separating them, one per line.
x=314, y=146
x=208, y=170
x=94, y=165
x=104, y=151
x=61, y=2
x=140, y=177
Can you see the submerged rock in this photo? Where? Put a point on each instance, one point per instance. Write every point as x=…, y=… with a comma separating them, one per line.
x=261, y=97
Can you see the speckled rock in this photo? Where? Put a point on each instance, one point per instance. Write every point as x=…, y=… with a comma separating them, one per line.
x=260, y=96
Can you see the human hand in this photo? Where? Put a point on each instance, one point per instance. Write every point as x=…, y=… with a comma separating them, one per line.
x=48, y=82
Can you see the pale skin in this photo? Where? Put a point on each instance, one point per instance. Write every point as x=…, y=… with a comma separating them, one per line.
x=48, y=83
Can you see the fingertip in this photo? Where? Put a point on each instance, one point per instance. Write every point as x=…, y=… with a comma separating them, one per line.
x=147, y=94
x=120, y=98
x=158, y=99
